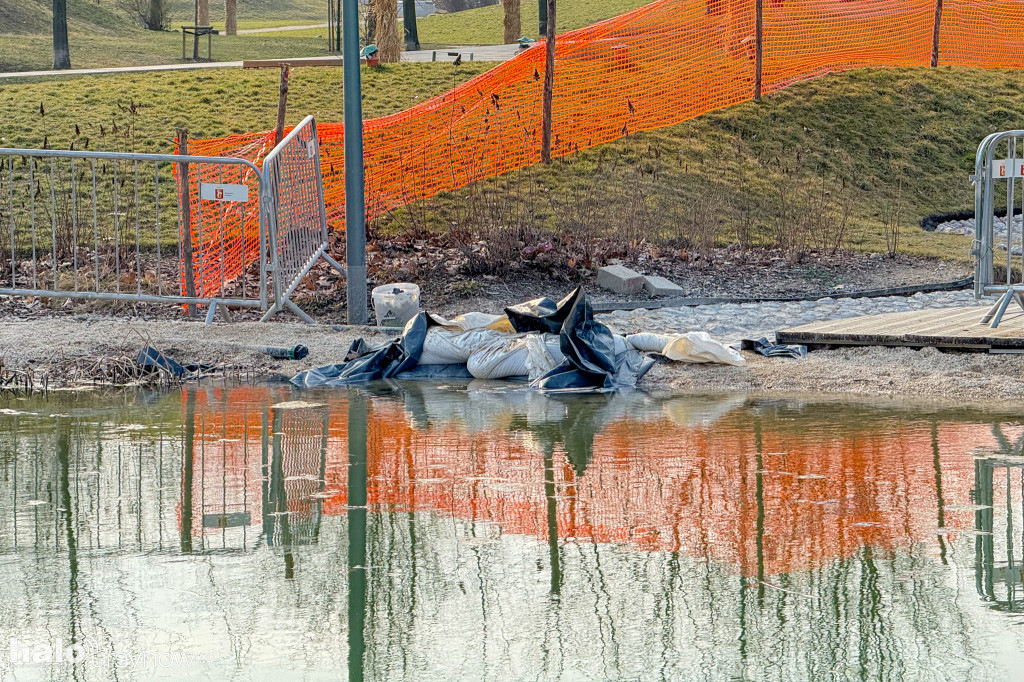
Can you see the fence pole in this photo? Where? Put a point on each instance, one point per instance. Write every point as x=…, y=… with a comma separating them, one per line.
x=759, y=46
x=542, y=14
x=935, y=33
x=355, y=199
x=549, y=84
x=186, y=221
x=282, y=103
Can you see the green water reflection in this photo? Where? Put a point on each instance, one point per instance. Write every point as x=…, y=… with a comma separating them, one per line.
x=418, y=532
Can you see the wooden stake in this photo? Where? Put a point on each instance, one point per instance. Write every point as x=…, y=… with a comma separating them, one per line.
x=935, y=33
x=549, y=84
x=758, y=46
x=282, y=104
x=184, y=182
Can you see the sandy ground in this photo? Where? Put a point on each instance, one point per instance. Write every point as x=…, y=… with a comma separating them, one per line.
x=46, y=346
x=977, y=378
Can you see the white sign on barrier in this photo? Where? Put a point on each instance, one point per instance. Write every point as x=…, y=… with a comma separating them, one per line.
x=211, y=191
x=1004, y=168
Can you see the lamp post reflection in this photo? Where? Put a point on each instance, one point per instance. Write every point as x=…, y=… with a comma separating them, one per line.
x=358, y=414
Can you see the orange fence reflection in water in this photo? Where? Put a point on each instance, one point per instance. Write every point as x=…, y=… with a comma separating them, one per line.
x=656, y=66
x=753, y=491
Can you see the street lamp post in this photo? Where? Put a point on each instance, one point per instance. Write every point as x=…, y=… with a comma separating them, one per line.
x=355, y=206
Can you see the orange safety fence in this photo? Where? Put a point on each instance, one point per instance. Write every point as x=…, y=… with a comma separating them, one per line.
x=654, y=481
x=656, y=66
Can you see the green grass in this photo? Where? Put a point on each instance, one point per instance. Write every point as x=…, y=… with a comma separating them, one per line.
x=483, y=26
x=879, y=129
x=210, y=103
x=101, y=33
x=32, y=53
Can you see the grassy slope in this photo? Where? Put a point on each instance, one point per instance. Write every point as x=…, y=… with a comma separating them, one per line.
x=873, y=127
x=101, y=34
x=906, y=133
x=483, y=26
x=210, y=103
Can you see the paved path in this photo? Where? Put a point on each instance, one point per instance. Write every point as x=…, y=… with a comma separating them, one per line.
x=482, y=53
x=275, y=29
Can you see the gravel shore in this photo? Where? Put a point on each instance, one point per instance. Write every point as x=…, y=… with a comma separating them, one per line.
x=45, y=345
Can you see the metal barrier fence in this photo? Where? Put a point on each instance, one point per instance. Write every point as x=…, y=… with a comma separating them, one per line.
x=298, y=234
x=102, y=225
x=160, y=228
x=992, y=233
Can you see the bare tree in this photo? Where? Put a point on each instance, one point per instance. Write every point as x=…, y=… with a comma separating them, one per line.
x=155, y=18
x=389, y=42
x=412, y=35
x=513, y=23
x=61, y=52
x=149, y=14
x=231, y=17
x=204, y=13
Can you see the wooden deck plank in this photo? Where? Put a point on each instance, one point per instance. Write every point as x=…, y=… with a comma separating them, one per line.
x=947, y=328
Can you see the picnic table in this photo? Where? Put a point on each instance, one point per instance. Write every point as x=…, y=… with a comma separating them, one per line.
x=197, y=32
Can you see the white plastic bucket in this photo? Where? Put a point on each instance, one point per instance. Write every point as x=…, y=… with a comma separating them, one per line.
x=396, y=304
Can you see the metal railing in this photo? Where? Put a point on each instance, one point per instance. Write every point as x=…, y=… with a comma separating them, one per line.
x=105, y=225
x=298, y=234
x=987, y=171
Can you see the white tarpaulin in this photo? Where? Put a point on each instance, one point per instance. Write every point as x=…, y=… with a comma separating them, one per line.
x=691, y=347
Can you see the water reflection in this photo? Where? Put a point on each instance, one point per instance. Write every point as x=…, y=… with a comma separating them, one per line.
x=418, y=531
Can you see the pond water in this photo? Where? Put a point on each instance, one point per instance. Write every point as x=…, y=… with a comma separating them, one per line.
x=475, y=532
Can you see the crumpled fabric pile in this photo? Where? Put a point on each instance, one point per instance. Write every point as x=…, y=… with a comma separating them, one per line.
x=557, y=346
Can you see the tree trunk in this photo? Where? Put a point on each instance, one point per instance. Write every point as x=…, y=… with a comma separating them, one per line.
x=155, y=21
x=389, y=43
x=412, y=36
x=61, y=53
x=231, y=17
x=204, y=12
x=513, y=24
x=549, y=84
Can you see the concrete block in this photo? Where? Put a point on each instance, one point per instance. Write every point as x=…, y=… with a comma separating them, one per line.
x=620, y=279
x=660, y=286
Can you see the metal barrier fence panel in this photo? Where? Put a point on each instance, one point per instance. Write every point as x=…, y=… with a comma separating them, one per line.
x=98, y=225
x=998, y=165
x=298, y=234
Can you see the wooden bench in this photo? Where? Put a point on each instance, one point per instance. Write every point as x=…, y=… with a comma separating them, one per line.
x=198, y=32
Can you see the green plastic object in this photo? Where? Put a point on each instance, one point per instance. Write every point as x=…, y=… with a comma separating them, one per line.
x=368, y=50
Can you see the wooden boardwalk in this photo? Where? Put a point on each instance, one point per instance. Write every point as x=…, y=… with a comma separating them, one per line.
x=943, y=328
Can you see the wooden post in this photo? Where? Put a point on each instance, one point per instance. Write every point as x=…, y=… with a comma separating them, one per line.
x=282, y=103
x=935, y=33
x=549, y=84
x=759, y=46
x=184, y=182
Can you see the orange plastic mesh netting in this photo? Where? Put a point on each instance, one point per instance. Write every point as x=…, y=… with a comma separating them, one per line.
x=653, y=67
